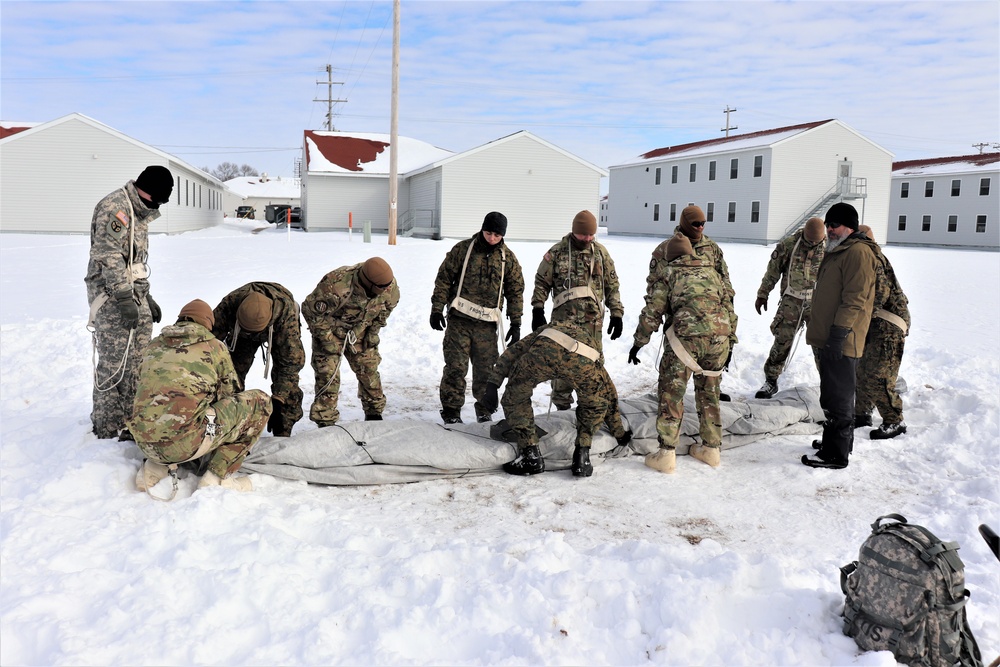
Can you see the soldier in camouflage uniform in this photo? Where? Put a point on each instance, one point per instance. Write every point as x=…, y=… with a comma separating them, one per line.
x=795, y=262
x=265, y=316
x=345, y=313
x=487, y=272
x=567, y=351
x=188, y=404
x=122, y=311
x=879, y=365
x=581, y=276
x=694, y=305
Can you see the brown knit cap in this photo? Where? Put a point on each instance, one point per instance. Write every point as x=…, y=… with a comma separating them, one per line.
x=376, y=271
x=867, y=231
x=815, y=230
x=692, y=214
x=585, y=223
x=678, y=245
x=200, y=312
x=254, y=313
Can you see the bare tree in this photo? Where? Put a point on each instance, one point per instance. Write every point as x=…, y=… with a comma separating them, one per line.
x=247, y=170
x=226, y=171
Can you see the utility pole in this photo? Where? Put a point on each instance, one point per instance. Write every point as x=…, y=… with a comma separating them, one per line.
x=329, y=97
x=981, y=145
x=726, y=129
x=394, y=124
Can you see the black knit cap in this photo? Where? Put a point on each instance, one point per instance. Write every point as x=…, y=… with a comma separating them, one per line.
x=157, y=182
x=842, y=214
x=496, y=223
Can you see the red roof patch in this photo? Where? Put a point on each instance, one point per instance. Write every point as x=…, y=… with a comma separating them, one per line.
x=979, y=160
x=346, y=152
x=659, y=152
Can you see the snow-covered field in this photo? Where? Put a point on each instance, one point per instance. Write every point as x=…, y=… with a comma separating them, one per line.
x=730, y=566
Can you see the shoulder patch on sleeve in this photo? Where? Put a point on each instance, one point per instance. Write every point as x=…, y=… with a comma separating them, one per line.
x=652, y=264
x=548, y=257
x=121, y=216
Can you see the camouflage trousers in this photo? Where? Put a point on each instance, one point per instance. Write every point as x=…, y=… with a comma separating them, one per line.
x=710, y=352
x=284, y=387
x=547, y=360
x=118, y=362
x=784, y=326
x=562, y=391
x=239, y=420
x=878, y=371
x=467, y=340
x=327, y=352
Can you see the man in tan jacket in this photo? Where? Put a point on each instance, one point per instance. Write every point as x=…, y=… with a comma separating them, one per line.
x=841, y=312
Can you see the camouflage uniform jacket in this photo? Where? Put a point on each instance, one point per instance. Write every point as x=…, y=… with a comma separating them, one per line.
x=693, y=298
x=339, y=306
x=704, y=248
x=555, y=275
x=795, y=263
x=286, y=350
x=184, y=371
x=482, y=278
x=505, y=365
x=844, y=295
x=888, y=294
x=108, y=269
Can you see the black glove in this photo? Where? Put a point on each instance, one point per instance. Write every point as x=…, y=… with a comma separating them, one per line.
x=834, y=348
x=127, y=307
x=633, y=355
x=615, y=327
x=761, y=302
x=729, y=358
x=154, y=308
x=537, y=318
x=490, y=398
x=513, y=334
x=437, y=321
x=276, y=423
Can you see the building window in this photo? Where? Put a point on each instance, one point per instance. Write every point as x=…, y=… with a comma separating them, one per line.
x=178, y=189
x=657, y=175
x=755, y=211
x=927, y=224
x=956, y=187
x=673, y=174
x=758, y=166
x=732, y=212
x=673, y=212
x=952, y=223
x=734, y=168
x=984, y=187
x=981, y=221
x=187, y=192
x=904, y=190
x=902, y=223
x=694, y=172
x=710, y=210
x=656, y=212
x=199, y=195
x=711, y=170
x=929, y=189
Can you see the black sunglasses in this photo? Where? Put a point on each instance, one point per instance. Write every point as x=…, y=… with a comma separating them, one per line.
x=698, y=224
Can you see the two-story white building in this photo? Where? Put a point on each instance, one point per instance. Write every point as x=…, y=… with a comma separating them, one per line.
x=754, y=187
x=948, y=201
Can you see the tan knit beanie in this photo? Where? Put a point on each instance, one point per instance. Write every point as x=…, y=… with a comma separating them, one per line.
x=692, y=214
x=376, y=272
x=815, y=230
x=200, y=312
x=254, y=313
x=678, y=245
x=585, y=223
x=867, y=231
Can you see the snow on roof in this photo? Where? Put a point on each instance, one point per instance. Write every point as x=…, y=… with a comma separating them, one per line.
x=734, y=143
x=948, y=165
x=8, y=127
x=361, y=152
x=274, y=187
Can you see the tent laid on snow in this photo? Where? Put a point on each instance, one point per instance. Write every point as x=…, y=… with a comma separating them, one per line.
x=394, y=451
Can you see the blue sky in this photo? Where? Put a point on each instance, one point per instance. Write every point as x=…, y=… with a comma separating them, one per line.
x=607, y=81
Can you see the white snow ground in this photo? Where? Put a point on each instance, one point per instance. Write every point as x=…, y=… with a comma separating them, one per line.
x=732, y=566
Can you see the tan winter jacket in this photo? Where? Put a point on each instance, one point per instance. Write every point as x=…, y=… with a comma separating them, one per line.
x=844, y=295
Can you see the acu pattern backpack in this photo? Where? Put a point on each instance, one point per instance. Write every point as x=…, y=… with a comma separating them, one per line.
x=906, y=594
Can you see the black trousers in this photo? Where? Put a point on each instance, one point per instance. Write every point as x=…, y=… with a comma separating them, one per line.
x=837, y=387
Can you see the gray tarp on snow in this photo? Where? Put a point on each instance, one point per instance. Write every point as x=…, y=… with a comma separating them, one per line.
x=395, y=451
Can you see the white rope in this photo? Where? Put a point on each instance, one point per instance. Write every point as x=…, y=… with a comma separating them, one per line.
x=350, y=339
x=120, y=371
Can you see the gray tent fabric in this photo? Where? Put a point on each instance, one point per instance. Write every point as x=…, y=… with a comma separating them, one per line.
x=401, y=451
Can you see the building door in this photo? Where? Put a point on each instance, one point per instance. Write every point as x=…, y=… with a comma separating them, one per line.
x=844, y=169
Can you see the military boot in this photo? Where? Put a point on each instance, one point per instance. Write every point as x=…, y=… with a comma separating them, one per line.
x=149, y=475
x=528, y=462
x=768, y=389
x=664, y=459
x=240, y=483
x=864, y=419
x=451, y=416
x=886, y=431
x=373, y=417
x=582, y=467
x=706, y=454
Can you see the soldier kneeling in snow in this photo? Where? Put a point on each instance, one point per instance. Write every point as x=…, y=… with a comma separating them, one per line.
x=188, y=404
